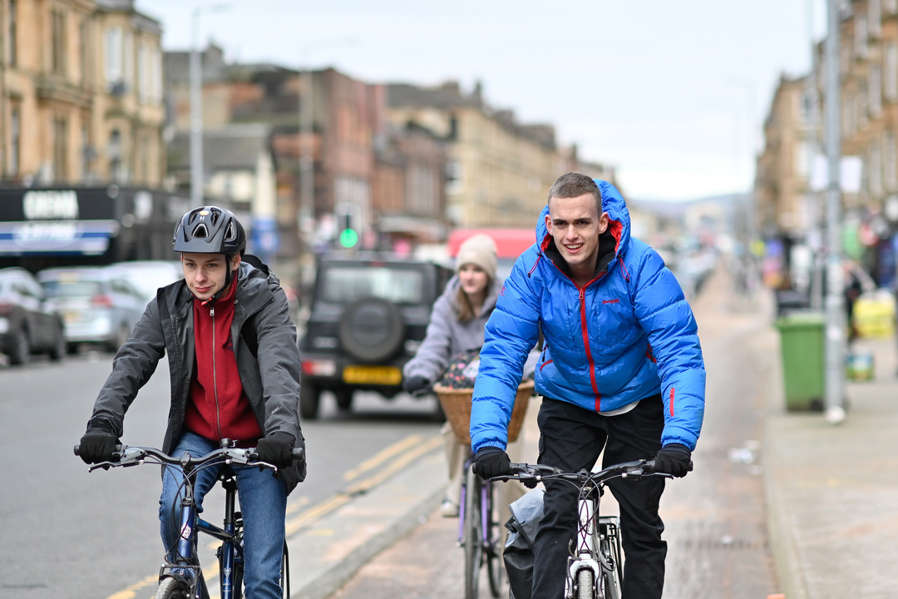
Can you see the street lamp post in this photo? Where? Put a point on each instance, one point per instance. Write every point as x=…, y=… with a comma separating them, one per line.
x=196, y=106
x=834, y=333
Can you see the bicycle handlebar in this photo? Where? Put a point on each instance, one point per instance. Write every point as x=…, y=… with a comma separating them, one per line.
x=535, y=473
x=132, y=456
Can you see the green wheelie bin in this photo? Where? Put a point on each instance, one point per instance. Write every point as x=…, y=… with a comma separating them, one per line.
x=803, y=361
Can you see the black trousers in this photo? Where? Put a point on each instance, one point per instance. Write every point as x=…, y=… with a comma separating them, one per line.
x=572, y=438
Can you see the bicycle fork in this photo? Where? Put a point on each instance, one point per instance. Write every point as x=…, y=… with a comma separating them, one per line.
x=185, y=568
x=586, y=554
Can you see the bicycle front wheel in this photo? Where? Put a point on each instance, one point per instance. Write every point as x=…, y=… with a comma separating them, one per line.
x=172, y=588
x=473, y=533
x=585, y=587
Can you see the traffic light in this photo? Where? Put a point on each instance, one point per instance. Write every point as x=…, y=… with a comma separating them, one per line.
x=347, y=237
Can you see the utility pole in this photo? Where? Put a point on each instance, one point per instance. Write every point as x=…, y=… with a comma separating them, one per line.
x=196, y=116
x=834, y=332
x=196, y=106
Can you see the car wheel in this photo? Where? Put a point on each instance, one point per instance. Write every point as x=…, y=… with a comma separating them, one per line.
x=309, y=400
x=58, y=350
x=20, y=350
x=371, y=330
x=344, y=399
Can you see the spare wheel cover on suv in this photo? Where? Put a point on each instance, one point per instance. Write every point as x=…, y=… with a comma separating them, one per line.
x=371, y=329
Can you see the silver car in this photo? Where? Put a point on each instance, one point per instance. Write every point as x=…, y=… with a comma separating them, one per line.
x=149, y=275
x=98, y=304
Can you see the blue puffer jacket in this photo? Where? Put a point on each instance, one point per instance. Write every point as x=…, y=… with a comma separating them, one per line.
x=628, y=334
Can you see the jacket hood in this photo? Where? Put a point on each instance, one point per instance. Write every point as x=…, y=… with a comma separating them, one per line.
x=612, y=203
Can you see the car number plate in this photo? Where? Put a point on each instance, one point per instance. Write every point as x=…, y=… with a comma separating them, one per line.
x=372, y=375
x=71, y=317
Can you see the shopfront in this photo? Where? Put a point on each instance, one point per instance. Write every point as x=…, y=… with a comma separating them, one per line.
x=43, y=227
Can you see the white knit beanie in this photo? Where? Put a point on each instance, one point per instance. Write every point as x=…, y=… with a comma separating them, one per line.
x=479, y=250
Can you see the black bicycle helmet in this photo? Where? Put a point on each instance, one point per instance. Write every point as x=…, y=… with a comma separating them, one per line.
x=210, y=230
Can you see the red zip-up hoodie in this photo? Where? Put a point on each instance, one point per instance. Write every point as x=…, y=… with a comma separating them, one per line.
x=219, y=408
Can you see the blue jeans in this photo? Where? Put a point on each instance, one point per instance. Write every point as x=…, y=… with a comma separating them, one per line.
x=263, y=502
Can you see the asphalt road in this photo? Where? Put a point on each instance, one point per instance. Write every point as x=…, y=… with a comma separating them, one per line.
x=68, y=533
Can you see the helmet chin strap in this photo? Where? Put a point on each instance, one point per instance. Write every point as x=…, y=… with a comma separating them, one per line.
x=228, y=278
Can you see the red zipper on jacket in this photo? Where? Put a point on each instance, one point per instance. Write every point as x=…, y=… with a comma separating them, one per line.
x=215, y=377
x=585, y=332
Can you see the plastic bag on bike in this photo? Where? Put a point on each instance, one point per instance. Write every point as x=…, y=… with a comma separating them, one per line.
x=526, y=513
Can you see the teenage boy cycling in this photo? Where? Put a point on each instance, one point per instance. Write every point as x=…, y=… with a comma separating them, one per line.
x=235, y=371
x=621, y=371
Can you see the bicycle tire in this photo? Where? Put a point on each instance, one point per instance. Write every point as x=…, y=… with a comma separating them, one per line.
x=585, y=587
x=493, y=550
x=172, y=588
x=473, y=536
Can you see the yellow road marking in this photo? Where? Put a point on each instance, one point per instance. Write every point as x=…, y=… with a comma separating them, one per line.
x=382, y=457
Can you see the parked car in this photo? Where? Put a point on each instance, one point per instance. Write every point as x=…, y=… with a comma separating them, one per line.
x=367, y=318
x=29, y=322
x=97, y=303
x=149, y=275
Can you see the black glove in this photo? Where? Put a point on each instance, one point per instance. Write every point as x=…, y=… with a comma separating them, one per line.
x=673, y=459
x=98, y=445
x=415, y=385
x=490, y=462
x=276, y=449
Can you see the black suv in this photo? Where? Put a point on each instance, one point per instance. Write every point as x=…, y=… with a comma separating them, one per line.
x=367, y=318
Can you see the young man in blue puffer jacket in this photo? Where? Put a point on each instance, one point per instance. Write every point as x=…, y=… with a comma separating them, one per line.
x=621, y=370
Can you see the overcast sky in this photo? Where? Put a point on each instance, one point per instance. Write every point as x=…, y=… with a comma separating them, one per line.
x=671, y=92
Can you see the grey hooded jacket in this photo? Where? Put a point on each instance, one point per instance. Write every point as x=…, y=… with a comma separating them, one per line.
x=446, y=336
x=265, y=349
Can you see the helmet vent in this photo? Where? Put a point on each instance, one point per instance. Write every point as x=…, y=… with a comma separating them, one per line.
x=200, y=231
x=231, y=234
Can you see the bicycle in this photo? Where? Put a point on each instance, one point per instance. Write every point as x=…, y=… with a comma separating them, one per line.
x=595, y=567
x=479, y=532
x=184, y=579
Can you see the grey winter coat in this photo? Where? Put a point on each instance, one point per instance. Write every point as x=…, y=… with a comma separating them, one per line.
x=446, y=336
x=266, y=352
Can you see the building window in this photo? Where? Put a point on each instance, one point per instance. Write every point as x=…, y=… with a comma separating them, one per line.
x=891, y=74
x=860, y=36
x=60, y=144
x=84, y=51
x=114, y=70
x=15, y=139
x=874, y=14
x=874, y=91
x=890, y=166
x=58, y=42
x=86, y=149
x=114, y=152
x=875, y=170
x=13, y=31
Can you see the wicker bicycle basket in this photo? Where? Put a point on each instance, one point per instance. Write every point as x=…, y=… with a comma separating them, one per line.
x=457, y=407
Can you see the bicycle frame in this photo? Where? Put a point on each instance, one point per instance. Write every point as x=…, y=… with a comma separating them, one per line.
x=588, y=549
x=595, y=553
x=230, y=553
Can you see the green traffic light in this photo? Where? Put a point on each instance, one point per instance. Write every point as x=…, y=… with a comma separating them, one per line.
x=348, y=238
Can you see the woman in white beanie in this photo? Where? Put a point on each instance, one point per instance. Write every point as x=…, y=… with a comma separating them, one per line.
x=456, y=325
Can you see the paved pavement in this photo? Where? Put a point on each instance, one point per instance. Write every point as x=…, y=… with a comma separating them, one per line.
x=832, y=490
